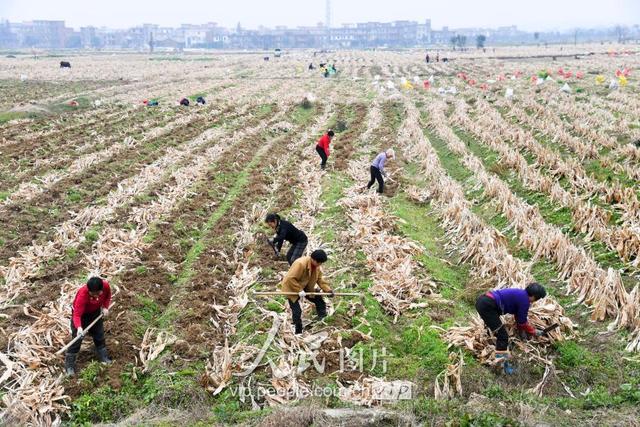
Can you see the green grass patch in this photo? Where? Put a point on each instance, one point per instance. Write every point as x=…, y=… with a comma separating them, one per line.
x=74, y=195
x=405, y=350
x=150, y=313
x=14, y=115
x=421, y=225
x=573, y=355
x=90, y=373
x=83, y=103
x=302, y=113
x=179, y=390
x=264, y=110
x=71, y=253
x=91, y=235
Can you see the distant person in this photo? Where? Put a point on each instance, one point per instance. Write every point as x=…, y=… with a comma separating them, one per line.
x=311, y=67
x=184, y=102
x=438, y=57
x=377, y=169
x=201, y=100
x=427, y=58
x=322, y=147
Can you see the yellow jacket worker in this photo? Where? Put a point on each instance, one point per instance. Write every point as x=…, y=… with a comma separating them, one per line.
x=302, y=277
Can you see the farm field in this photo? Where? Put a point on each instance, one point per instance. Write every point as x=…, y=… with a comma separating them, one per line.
x=512, y=165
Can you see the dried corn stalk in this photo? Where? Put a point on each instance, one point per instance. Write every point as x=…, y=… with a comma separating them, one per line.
x=450, y=378
x=479, y=244
x=151, y=348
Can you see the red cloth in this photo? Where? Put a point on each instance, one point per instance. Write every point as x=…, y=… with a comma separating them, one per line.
x=85, y=303
x=527, y=328
x=324, y=142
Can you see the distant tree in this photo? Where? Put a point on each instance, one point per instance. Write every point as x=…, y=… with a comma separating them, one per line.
x=620, y=33
x=480, y=39
x=150, y=42
x=458, y=40
x=462, y=41
x=238, y=28
x=536, y=36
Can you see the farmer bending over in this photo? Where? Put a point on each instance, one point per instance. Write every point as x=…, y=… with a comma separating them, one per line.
x=91, y=300
x=377, y=169
x=493, y=304
x=303, y=276
x=286, y=231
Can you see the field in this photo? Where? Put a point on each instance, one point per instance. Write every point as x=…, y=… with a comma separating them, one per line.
x=513, y=165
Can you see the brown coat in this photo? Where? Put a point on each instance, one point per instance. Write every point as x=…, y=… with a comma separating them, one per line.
x=302, y=276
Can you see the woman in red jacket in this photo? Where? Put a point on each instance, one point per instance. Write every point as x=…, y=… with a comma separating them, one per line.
x=91, y=300
x=323, y=147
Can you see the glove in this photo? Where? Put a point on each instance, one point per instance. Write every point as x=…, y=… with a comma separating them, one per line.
x=105, y=312
x=302, y=294
x=332, y=293
x=539, y=333
x=276, y=256
x=80, y=332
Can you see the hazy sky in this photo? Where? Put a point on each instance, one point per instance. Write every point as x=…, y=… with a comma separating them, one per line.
x=527, y=14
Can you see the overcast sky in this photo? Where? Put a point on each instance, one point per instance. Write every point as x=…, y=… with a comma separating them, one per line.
x=527, y=14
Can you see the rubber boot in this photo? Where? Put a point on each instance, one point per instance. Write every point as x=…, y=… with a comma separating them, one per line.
x=70, y=364
x=103, y=356
x=509, y=369
x=503, y=356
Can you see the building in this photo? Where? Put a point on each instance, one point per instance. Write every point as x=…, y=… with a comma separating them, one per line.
x=362, y=35
x=8, y=39
x=42, y=34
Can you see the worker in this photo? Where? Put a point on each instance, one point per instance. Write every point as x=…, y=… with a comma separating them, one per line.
x=311, y=67
x=322, y=147
x=437, y=56
x=302, y=277
x=427, y=58
x=90, y=301
x=286, y=231
x=515, y=301
x=377, y=169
